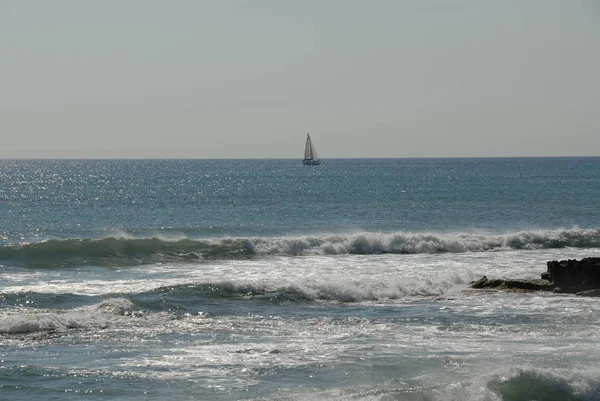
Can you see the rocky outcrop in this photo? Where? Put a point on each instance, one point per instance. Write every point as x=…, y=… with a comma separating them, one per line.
x=514, y=285
x=581, y=277
x=574, y=275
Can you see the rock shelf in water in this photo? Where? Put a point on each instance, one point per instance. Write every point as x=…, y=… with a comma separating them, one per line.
x=581, y=277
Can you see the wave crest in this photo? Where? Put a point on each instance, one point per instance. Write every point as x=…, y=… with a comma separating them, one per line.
x=121, y=251
x=545, y=384
x=414, y=243
x=127, y=251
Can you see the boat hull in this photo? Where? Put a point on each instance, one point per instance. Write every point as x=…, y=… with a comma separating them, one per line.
x=311, y=162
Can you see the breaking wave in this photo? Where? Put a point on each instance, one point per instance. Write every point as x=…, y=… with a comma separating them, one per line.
x=191, y=295
x=545, y=384
x=121, y=251
x=94, y=316
x=508, y=384
x=127, y=251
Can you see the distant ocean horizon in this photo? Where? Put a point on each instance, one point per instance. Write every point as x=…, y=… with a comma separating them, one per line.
x=263, y=279
x=296, y=158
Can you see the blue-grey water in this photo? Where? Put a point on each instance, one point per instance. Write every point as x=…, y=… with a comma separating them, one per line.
x=270, y=280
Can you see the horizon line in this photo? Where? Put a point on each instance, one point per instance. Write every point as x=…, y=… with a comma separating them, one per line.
x=296, y=158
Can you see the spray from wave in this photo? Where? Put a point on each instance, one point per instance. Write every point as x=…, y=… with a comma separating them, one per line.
x=133, y=251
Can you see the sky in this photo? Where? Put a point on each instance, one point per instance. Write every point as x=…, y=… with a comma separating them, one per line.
x=249, y=79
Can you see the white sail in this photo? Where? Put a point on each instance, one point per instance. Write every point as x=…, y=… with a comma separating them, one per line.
x=310, y=154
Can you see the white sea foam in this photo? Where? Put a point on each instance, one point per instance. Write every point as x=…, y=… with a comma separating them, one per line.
x=120, y=252
x=328, y=277
x=43, y=321
x=532, y=383
x=22, y=321
x=415, y=243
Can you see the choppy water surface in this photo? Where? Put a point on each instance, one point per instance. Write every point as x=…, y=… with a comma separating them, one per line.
x=250, y=279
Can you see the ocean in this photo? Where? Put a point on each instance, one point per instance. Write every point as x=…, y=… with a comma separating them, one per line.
x=270, y=280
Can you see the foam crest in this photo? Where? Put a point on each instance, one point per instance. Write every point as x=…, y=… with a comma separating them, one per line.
x=33, y=320
x=430, y=243
x=127, y=251
x=119, y=306
x=24, y=323
x=307, y=290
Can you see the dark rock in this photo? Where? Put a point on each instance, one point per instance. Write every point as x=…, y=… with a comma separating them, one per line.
x=530, y=285
x=581, y=277
x=575, y=275
x=513, y=285
x=481, y=283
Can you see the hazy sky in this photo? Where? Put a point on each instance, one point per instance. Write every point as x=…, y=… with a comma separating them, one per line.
x=248, y=79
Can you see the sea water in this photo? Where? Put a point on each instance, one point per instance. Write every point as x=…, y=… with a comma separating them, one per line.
x=270, y=280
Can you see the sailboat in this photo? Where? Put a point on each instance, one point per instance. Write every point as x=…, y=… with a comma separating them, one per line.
x=310, y=154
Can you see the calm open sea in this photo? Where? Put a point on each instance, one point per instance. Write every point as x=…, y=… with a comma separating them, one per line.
x=269, y=280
